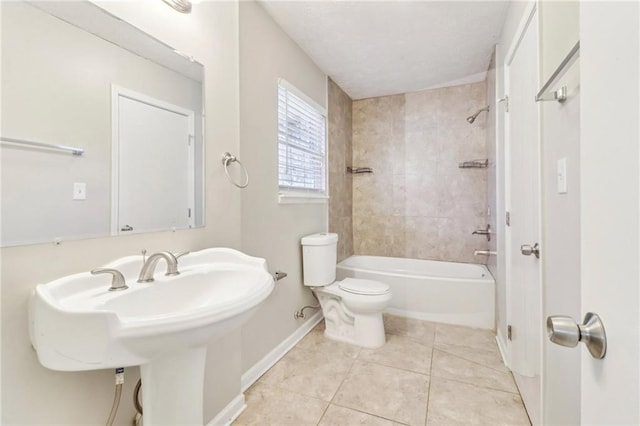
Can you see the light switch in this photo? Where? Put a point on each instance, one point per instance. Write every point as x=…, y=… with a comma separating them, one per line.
x=79, y=191
x=562, y=176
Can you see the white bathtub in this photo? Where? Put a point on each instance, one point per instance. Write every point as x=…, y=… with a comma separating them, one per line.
x=448, y=292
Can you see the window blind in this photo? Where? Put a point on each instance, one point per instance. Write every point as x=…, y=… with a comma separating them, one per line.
x=301, y=143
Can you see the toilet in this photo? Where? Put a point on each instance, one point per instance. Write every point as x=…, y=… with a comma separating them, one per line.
x=352, y=307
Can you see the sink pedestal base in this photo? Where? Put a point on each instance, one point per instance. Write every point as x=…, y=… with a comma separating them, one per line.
x=172, y=388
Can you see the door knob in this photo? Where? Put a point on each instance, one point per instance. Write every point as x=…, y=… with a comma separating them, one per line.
x=527, y=250
x=564, y=331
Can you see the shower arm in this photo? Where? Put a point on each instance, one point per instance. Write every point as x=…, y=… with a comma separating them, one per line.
x=473, y=117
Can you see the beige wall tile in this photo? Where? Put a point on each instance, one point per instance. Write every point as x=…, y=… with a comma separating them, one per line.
x=456, y=242
x=421, y=110
x=423, y=241
x=415, y=142
x=463, y=195
x=382, y=115
x=456, y=103
x=422, y=149
x=458, y=144
x=372, y=195
x=371, y=235
x=340, y=156
x=423, y=194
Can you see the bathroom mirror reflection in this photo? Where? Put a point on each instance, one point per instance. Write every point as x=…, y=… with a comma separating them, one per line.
x=74, y=75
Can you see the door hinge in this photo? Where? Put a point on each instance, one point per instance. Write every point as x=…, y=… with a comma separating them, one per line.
x=189, y=212
x=509, y=333
x=189, y=139
x=507, y=218
x=506, y=102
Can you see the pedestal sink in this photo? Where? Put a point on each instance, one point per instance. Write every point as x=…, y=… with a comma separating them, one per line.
x=76, y=324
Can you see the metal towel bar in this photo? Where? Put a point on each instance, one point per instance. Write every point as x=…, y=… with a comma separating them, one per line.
x=559, y=95
x=72, y=149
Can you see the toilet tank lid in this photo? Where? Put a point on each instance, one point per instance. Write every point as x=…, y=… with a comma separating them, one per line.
x=321, y=239
x=358, y=286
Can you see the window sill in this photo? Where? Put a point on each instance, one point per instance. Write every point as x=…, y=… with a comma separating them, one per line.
x=301, y=198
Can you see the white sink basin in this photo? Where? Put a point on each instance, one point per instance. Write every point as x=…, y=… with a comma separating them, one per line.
x=77, y=324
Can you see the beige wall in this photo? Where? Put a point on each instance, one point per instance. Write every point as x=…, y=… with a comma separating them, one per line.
x=340, y=157
x=32, y=394
x=59, y=76
x=418, y=203
x=269, y=229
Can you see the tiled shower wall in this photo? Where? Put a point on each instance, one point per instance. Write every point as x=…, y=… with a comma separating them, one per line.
x=340, y=149
x=418, y=203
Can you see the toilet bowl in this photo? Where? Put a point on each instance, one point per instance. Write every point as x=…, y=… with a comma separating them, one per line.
x=352, y=308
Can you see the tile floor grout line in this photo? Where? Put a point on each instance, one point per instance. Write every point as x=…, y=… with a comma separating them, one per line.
x=430, y=374
x=426, y=416
x=470, y=360
x=395, y=367
x=323, y=413
x=369, y=414
x=478, y=386
x=353, y=362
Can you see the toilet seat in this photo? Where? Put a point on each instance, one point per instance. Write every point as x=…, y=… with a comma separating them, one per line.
x=364, y=287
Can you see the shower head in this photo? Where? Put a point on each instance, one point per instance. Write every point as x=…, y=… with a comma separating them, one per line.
x=473, y=117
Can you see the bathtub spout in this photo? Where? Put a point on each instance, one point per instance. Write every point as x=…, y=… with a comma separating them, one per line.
x=484, y=253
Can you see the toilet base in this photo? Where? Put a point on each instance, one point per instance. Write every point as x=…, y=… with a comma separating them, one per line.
x=365, y=330
x=367, y=339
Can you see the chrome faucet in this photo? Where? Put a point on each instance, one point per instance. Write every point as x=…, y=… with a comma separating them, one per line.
x=149, y=267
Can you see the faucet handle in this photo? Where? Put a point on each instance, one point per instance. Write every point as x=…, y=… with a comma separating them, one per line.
x=486, y=232
x=180, y=254
x=117, y=279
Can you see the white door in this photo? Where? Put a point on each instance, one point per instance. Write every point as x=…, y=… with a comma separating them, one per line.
x=153, y=164
x=605, y=391
x=610, y=201
x=523, y=271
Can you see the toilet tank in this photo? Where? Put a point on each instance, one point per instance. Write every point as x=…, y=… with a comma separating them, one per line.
x=319, y=256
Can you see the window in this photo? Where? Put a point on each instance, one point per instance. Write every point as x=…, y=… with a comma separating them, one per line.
x=302, y=146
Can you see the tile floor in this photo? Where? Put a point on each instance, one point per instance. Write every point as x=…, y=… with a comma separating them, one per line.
x=426, y=374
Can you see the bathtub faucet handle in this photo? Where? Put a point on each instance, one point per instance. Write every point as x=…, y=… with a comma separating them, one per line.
x=486, y=232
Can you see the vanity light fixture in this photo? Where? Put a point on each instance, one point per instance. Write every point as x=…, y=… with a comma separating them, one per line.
x=182, y=6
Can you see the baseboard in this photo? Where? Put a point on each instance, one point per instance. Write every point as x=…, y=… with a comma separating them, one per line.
x=502, y=347
x=261, y=367
x=230, y=412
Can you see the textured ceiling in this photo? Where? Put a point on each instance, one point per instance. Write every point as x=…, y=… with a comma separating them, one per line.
x=387, y=47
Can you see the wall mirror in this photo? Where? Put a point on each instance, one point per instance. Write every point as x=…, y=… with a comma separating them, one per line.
x=75, y=76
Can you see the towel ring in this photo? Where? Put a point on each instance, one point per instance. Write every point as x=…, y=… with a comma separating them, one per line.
x=228, y=158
